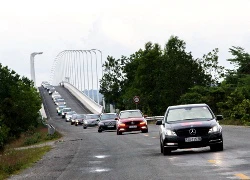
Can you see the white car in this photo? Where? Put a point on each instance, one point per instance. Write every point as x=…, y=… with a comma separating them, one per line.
x=65, y=111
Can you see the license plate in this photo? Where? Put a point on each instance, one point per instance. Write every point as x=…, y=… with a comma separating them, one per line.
x=192, y=139
x=111, y=126
x=132, y=126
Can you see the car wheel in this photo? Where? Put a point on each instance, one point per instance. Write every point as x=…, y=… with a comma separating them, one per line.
x=145, y=131
x=119, y=133
x=71, y=123
x=161, y=146
x=76, y=124
x=217, y=147
x=84, y=127
x=99, y=130
x=165, y=151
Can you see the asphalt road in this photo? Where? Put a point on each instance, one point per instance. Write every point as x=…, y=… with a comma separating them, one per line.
x=87, y=154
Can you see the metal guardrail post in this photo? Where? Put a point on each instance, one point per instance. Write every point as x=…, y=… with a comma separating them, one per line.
x=51, y=129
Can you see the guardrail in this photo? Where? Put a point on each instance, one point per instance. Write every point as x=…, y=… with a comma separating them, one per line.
x=51, y=129
x=154, y=118
x=84, y=99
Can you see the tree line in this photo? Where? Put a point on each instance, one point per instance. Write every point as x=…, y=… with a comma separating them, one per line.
x=170, y=75
x=20, y=103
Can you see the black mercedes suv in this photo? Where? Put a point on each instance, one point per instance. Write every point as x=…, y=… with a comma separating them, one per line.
x=190, y=126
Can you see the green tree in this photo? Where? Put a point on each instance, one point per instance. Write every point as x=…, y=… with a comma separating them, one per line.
x=112, y=80
x=19, y=103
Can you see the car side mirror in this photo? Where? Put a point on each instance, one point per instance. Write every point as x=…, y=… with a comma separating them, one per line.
x=158, y=122
x=219, y=117
x=116, y=118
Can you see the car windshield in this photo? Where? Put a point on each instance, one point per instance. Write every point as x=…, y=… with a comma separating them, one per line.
x=61, y=107
x=66, y=110
x=71, y=112
x=60, y=100
x=108, y=116
x=130, y=114
x=94, y=116
x=189, y=113
x=80, y=116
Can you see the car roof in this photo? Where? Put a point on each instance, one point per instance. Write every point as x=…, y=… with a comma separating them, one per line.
x=132, y=110
x=187, y=105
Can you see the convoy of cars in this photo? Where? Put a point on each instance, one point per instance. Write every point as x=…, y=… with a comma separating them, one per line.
x=183, y=126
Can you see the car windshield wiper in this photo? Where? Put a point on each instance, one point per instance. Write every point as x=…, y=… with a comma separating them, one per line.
x=190, y=119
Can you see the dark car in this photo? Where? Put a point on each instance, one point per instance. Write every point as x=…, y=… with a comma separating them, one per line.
x=90, y=120
x=190, y=126
x=79, y=119
x=73, y=119
x=107, y=122
x=131, y=120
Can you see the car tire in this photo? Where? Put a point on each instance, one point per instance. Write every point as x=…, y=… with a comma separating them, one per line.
x=119, y=133
x=217, y=147
x=165, y=151
x=161, y=146
x=145, y=131
x=71, y=123
x=84, y=127
x=76, y=124
x=99, y=130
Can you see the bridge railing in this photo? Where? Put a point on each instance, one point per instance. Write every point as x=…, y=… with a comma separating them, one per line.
x=84, y=99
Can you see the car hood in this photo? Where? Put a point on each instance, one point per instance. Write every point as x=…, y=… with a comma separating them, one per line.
x=91, y=120
x=191, y=124
x=108, y=120
x=131, y=119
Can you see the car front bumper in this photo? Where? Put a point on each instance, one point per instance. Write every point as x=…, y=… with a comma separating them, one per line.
x=129, y=129
x=176, y=142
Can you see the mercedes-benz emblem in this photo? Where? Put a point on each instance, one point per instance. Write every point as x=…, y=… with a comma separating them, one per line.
x=192, y=131
x=132, y=122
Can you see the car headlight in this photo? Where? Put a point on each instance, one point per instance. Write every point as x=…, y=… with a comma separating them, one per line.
x=77, y=121
x=216, y=128
x=170, y=132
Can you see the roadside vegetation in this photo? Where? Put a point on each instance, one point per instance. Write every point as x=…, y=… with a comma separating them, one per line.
x=22, y=153
x=21, y=125
x=171, y=75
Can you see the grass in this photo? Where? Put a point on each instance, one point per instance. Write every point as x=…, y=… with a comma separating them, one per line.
x=235, y=122
x=14, y=160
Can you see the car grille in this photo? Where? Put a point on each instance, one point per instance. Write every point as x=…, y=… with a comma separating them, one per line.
x=132, y=122
x=199, y=132
x=110, y=123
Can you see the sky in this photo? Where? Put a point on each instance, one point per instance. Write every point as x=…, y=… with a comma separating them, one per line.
x=116, y=27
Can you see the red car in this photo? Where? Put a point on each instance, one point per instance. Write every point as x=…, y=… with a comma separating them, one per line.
x=131, y=120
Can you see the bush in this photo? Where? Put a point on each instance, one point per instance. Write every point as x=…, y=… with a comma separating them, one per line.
x=35, y=138
x=4, y=134
x=56, y=135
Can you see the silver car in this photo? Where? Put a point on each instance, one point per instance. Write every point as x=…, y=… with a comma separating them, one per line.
x=69, y=116
x=90, y=120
